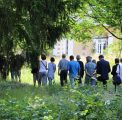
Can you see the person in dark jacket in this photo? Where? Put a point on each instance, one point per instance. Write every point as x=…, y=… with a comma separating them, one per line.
x=114, y=73
x=35, y=68
x=19, y=60
x=114, y=68
x=103, y=68
x=81, y=68
x=12, y=65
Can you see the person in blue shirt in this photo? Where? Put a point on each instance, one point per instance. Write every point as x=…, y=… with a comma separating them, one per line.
x=90, y=68
x=74, y=70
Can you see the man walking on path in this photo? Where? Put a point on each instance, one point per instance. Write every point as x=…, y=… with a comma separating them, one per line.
x=103, y=68
x=63, y=69
x=81, y=68
x=74, y=69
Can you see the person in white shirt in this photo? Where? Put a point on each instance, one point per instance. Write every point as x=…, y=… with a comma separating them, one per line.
x=119, y=69
x=42, y=71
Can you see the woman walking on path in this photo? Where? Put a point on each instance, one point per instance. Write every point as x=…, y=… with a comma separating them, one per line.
x=42, y=71
x=51, y=70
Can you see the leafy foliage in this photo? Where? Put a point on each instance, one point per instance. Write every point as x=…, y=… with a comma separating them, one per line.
x=33, y=25
x=50, y=103
x=107, y=13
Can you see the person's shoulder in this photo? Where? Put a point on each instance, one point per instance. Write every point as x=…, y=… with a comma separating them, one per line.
x=98, y=61
x=104, y=60
x=101, y=62
x=87, y=64
x=65, y=60
x=107, y=62
x=60, y=60
x=80, y=62
x=77, y=62
x=120, y=64
x=70, y=62
x=114, y=66
x=94, y=64
x=49, y=63
x=44, y=61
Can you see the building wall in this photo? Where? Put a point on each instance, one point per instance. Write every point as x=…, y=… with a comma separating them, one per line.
x=60, y=48
x=71, y=47
x=101, y=43
x=83, y=49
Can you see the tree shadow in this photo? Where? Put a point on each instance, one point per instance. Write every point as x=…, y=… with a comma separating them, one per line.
x=11, y=89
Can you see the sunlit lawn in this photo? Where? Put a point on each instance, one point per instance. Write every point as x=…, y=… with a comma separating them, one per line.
x=55, y=98
x=26, y=88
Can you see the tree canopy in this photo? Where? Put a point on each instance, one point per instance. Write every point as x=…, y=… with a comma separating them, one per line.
x=107, y=13
x=35, y=25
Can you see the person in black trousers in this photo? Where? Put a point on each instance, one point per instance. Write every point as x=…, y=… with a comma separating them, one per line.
x=81, y=69
x=114, y=73
x=114, y=68
x=103, y=68
x=63, y=69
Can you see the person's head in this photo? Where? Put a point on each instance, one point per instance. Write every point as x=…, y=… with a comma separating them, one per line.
x=52, y=59
x=71, y=57
x=88, y=59
x=63, y=56
x=101, y=57
x=116, y=60
x=43, y=57
x=94, y=61
x=121, y=60
x=78, y=57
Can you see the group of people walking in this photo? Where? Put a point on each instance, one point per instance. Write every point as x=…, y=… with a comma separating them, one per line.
x=13, y=64
x=94, y=71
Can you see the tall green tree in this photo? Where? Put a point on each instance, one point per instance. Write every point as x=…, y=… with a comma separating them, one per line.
x=34, y=25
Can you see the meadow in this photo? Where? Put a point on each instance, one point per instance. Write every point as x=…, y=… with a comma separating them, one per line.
x=23, y=101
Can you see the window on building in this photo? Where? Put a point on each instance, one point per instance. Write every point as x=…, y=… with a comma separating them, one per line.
x=104, y=46
x=100, y=49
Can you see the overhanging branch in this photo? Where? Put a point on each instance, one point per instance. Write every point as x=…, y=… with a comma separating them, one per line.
x=94, y=17
x=111, y=32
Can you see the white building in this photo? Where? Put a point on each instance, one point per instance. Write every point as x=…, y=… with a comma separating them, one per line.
x=71, y=47
x=101, y=43
x=63, y=46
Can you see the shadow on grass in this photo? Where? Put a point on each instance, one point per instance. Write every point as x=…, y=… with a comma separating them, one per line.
x=10, y=89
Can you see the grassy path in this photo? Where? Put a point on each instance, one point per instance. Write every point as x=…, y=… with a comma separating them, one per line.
x=25, y=102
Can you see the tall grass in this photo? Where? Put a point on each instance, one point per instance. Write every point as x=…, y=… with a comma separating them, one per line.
x=24, y=101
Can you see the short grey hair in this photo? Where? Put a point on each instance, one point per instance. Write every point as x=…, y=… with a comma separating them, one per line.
x=63, y=55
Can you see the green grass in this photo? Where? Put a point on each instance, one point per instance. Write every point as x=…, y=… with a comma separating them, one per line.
x=23, y=101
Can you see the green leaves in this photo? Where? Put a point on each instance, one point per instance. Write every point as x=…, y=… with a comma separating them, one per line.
x=87, y=103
